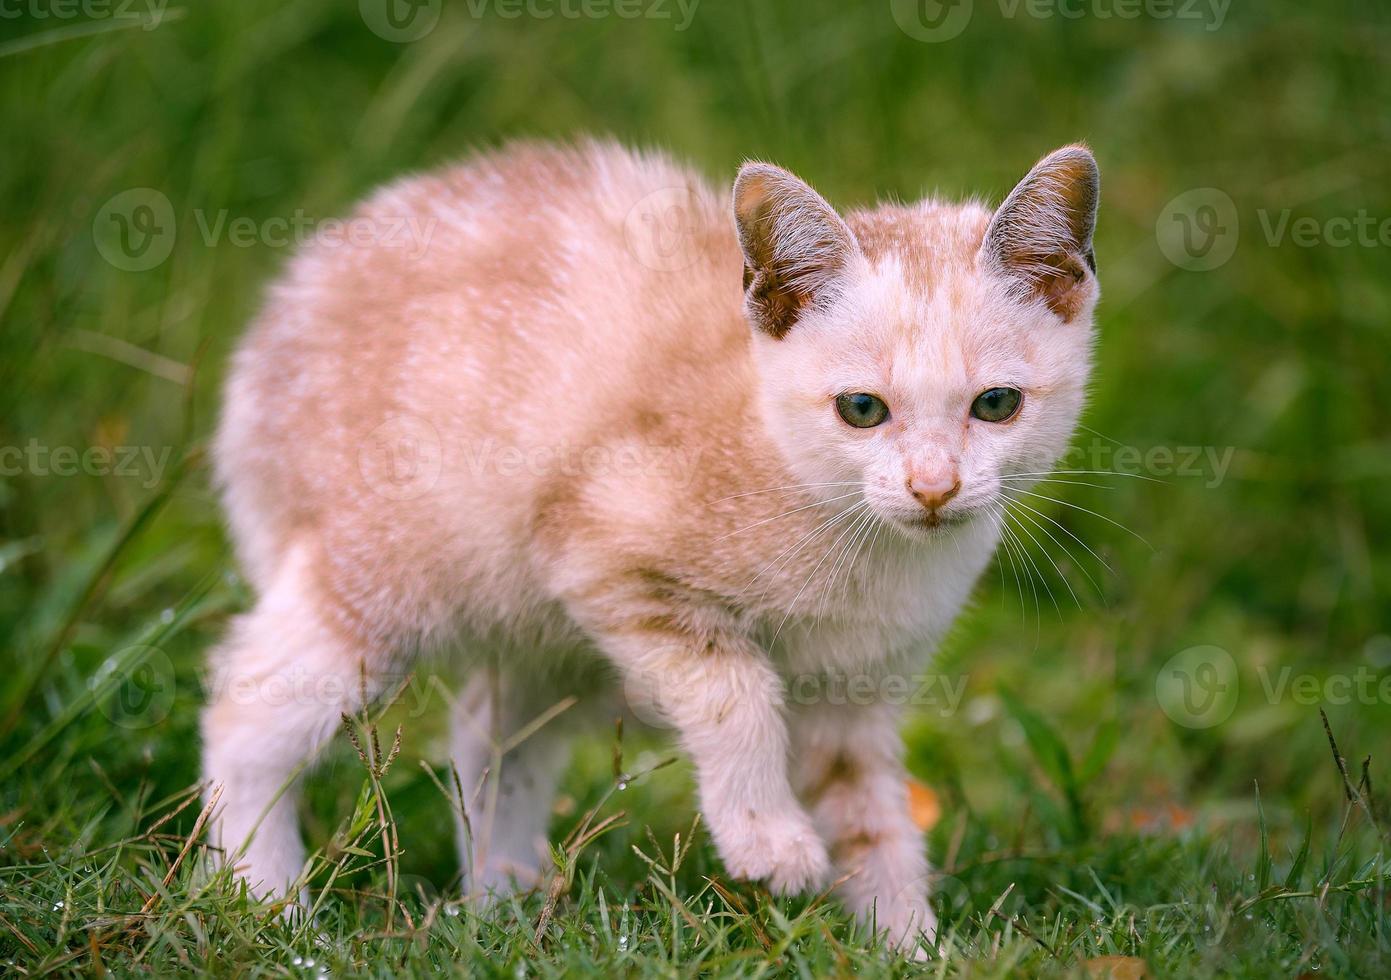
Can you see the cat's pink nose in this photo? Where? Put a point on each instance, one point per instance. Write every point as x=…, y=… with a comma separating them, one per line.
x=933, y=489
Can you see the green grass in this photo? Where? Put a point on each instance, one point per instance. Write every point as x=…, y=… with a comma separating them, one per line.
x=1080, y=820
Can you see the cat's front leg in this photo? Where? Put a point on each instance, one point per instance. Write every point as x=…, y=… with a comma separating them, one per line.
x=851, y=774
x=717, y=689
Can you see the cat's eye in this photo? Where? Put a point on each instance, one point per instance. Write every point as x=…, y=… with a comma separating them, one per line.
x=862, y=410
x=997, y=404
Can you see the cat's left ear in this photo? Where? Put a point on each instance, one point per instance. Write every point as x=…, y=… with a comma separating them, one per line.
x=1041, y=236
x=796, y=247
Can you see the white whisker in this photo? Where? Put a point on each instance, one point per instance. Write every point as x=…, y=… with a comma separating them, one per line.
x=864, y=526
x=1052, y=537
x=1132, y=476
x=789, y=513
x=793, y=549
x=1084, y=510
x=1037, y=575
x=1070, y=483
x=1056, y=569
x=1069, y=533
x=1025, y=566
x=791, y=606
x=789, y=487
x=1009, y=551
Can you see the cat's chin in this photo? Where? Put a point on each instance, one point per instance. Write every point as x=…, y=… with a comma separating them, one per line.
x=933, y=527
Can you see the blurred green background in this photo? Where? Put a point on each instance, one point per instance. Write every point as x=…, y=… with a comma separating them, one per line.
x=1220, y=132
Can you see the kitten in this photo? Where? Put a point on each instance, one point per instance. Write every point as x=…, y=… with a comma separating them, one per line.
x=561, y=434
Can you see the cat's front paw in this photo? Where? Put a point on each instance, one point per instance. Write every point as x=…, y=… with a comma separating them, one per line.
x=785, y=853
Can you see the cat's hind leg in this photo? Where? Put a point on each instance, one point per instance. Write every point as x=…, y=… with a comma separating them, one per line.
x=280, y=682
x=509, y=795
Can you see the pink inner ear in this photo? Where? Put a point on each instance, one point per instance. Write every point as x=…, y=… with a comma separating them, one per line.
x=773, y=304
x=1063, y=284
x=794, y=245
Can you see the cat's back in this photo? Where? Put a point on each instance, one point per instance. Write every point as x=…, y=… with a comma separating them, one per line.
x=493, y=251
x=491, y=306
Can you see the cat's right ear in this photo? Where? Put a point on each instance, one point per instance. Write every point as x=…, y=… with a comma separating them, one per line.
x=1041, y=236
x=795, y=246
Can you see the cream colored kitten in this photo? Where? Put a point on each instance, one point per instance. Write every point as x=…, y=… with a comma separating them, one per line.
x=564, y=433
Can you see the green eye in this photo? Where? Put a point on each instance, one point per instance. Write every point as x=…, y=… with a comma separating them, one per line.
x=861, y=410
x=997, y=404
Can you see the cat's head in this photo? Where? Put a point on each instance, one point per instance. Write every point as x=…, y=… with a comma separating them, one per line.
x=928, y=353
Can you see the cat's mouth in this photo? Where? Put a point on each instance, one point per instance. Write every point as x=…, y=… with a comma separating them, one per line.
x=937, y=521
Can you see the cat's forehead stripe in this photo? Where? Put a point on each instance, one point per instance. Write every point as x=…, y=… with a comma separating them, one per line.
x=933, y=243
